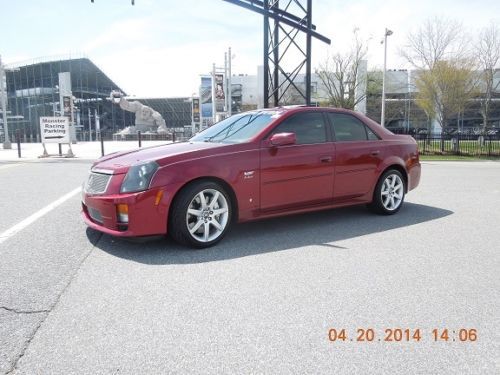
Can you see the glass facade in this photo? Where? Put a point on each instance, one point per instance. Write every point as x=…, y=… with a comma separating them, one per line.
x=33, y=91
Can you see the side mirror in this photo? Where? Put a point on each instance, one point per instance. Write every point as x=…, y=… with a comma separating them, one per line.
x=283, y=139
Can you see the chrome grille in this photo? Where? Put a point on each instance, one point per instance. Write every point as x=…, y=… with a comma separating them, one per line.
x=97, y=183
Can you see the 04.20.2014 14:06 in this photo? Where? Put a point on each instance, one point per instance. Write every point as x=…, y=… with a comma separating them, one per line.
x=403, y=335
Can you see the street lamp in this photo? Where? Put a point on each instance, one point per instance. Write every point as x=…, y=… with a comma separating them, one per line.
x=382, y=117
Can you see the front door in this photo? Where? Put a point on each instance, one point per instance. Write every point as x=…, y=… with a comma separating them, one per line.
x=301, y=174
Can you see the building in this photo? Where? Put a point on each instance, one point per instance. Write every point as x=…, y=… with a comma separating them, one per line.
x=33, y=90
x=402, y=112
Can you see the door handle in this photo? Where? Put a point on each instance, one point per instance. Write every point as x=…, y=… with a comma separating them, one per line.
x=326, y=159
x=375, y=153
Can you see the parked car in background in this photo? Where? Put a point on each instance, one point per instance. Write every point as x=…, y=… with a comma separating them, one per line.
x=415, y=129
x=253, y=165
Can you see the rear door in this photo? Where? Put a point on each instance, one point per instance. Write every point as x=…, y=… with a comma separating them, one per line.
x=300, y=174
x=358, y=155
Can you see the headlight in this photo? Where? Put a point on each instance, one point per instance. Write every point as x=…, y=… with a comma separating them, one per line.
x=138, y=177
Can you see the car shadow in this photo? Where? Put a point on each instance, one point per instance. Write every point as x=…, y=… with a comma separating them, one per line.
x=322, y=228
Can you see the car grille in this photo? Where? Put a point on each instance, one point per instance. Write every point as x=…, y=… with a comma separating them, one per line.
x=97, y=183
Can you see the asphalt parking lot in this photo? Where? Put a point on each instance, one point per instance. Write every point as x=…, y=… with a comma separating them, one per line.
x=262, y=301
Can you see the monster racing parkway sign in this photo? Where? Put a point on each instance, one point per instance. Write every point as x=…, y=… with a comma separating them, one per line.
x=54, y=129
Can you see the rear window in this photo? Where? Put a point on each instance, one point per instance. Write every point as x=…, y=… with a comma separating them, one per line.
x=349, y=128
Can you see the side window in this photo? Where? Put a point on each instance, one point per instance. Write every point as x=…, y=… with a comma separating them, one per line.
x=308, y=127
x=349, y=128
x=371, y=135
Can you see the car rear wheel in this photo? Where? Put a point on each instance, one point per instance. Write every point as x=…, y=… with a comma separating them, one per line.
x=389, y=193
x=201, y=215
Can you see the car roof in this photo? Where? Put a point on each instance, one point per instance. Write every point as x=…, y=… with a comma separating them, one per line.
x=304, y=108
x=289, y=110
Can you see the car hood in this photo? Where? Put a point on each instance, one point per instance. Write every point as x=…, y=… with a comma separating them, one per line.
x=120, y=162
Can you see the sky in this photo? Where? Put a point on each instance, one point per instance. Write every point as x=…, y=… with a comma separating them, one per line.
x=159, y=48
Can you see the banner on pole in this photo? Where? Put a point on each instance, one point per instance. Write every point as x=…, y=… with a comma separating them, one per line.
x=219, y=87
x=220, y=95
x=67, y=106
x=206, y=96
x=196, y=110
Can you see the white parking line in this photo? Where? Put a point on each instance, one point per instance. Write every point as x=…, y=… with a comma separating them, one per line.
x=37, y=215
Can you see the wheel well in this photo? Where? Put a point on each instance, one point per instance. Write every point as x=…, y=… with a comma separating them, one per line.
x=400, y=169
x=225, y=185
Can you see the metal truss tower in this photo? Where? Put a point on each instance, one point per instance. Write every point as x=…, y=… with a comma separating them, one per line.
x=288, y=33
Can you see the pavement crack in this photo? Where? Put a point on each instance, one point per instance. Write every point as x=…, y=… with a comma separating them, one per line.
x=30, y=339
x=18, y=311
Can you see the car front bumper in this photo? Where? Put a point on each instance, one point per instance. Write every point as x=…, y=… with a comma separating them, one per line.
x=147, y=213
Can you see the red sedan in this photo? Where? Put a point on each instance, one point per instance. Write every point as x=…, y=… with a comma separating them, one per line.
x=253, y=165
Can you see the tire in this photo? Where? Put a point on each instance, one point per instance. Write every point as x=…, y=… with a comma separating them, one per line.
x=201, y=214
x=389, y=193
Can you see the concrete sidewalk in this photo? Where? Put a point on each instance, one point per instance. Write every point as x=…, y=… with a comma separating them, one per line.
x=81, y=150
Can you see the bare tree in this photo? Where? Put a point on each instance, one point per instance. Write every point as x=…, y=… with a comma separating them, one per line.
x=445, y=78
x=437, y=39
x=339, y=76
x=488, y=54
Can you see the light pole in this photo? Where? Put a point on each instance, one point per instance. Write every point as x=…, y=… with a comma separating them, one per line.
x=229, y=84
x=382, y=116
x=214, y=106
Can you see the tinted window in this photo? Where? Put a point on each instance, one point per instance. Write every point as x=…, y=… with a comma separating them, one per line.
x=308, y=127
x=348, y=128
x=371, y=135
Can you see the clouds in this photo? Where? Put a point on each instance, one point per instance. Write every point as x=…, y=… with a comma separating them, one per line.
x=120, y=34
x=337, y=19
x=164, y=50
x=159, y=48
x=146, y=70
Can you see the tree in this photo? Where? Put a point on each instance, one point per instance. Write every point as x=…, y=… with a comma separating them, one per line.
x=340, y=78
x=488, y=54
x=444, y=91
x=445, y=80
x=436, y=40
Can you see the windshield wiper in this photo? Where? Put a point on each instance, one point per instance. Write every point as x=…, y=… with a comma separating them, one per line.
x=250, y=120
x=226, y=133
x=210, y=139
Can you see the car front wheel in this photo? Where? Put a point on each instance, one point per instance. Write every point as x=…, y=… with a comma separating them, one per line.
x=200, y=215
x=389, y=193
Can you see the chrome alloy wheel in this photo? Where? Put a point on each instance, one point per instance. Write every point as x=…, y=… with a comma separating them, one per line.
x=392, y=192
x=207, y=215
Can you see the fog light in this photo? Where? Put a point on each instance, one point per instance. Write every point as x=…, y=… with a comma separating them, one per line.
x=122, y=213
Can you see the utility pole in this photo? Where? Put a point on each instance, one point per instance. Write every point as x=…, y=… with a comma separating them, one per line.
x=214, y=107
x=229, y=84
x=90, y=124
x=3, y=98
x=226, y=68
x=382, y=116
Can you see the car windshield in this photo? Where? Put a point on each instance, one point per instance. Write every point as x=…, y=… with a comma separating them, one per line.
x=236, y=129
